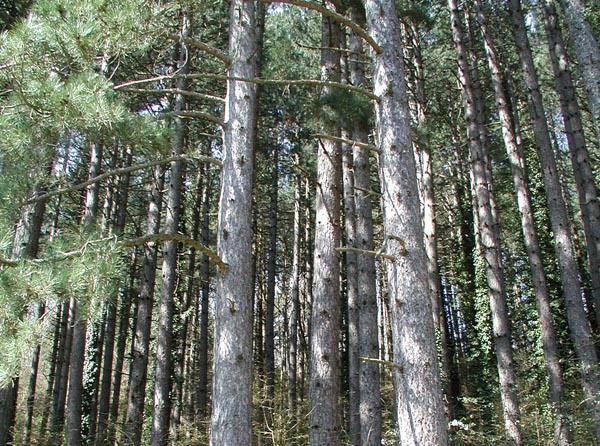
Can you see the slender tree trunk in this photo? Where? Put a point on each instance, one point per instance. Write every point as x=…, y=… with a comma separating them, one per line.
x=419, y=407
x=54, y=355
x=74, y=419
x=294, y=319
x=580, y=160
x=25, y=245
x=587, y=53
x=162, y=374
x=352, y=282
x=562, y=434
x=202, y=390
x=325, y=419
x=270, y=295
x=576, y=316
x=141, y=341
x=232, y=383
x=489, y=239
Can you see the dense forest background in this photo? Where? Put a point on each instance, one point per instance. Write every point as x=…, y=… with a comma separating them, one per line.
x=294, y=222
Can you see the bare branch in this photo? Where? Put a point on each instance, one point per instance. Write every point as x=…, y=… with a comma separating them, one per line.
x=200, y=115
x=351, y=142
x=367, y=252
x=183, y=239
x=334, y=15
x=175, y=91
x=389, y=364
x=201, y=46
x=104, y=176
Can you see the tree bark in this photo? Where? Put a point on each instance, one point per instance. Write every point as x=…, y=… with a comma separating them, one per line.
x=232, y=383
x=138, y=372
x=562, y=433
x=419, y=407
x=325, y=385
x=576, y=316
x=580, y=159
x=489, y=235
x=587, y=53
x=74, y=420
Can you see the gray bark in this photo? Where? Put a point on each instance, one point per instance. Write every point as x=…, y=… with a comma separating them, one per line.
x=232, y=383
x=164, y=339
x=325, y=361
x=488, y=232
x=587, y=53
x=73, y=434
x=562, y=434
x=576, y=316
x=580, y=160
x=138, y=371
x=419, y=407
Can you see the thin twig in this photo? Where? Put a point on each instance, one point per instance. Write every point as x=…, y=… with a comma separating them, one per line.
x=351, y=142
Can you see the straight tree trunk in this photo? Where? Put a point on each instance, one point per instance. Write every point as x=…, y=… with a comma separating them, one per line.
x=580, y=159
x=73, y=434
x=562, y=433
x=368, y=336
x=578, y=324
x=352, y=282
x=419, y=407
x=587, y=53
x=325, y=363
x=138, y=372
x=162, y=374
x=111, y=316
x=489, y=236
x=202, y=390
x=231, y=422
x=25, y=245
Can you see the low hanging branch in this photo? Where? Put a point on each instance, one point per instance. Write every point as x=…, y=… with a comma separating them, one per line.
x=351, y=142
x=199, y=115
x=160, y=91
x=285, y=82
x=334, y=15
x=201, y=46
x=121, y=171
x=389, y=364
x=367, y=252
x=183, y=239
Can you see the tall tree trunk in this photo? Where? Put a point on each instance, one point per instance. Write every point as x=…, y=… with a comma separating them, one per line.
x=324, y=389
x=138, y=371
x=580, y=160
x=587, y=53
x=352, y=282
x=74, y=419
x=294, y=319
x=562, y=433
x=202, y=389
x=489, y=238
x=111, y=315
x=576, y=316
x=419, y=407
x=368, y=336
x=232, y=383
x=25, y=245
x=162, y=374
x=270, y=295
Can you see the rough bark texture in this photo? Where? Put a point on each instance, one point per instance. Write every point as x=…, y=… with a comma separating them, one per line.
x=73, y=434
x=164, y=342
x=587, y=53
x=232, y=384
x=420, y=411
x=489, y=236
x=517, y=162
x=580, y=160
x=325, y=361
x=369, y=380
x=141, y=341
x=576, y=316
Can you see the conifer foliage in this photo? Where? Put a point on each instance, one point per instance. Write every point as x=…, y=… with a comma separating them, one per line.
x=291, y=222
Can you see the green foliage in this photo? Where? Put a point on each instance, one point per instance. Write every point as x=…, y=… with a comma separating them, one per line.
x=339, y=107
